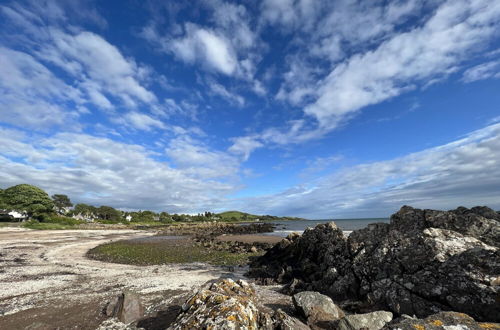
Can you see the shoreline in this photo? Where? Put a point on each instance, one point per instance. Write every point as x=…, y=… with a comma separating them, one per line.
x=47, y=279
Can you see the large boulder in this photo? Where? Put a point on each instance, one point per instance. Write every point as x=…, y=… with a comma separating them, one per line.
x=227, y=304
x=317, y=308
x=369, y=321
x=423, y=262
x=126, y=307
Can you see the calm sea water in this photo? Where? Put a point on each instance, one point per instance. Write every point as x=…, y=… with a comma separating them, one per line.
x=284, y=228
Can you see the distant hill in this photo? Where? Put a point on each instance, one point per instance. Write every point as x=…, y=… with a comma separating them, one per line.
x=242, y=216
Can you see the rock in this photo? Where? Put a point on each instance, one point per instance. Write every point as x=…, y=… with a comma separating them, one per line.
x=227, y=304
x=283, y=321
x=369, y=321
x=443, y=320
x=423, y=262
x=126, y=307
x=316, y=307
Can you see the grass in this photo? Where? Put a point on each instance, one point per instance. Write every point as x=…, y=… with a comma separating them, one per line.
x=165, y=252
x=10, y=224
x=47, y=225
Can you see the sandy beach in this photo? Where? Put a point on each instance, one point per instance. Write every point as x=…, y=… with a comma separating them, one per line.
x=47, y=282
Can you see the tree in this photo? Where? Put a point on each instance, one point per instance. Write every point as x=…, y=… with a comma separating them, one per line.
x=25, y=197
x=108, y=213
x=84, y=209
x=61, y=202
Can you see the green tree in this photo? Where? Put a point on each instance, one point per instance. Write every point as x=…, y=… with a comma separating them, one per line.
x=61, y=202
x=108, y=213
x=165, y=217
x=25, y=197
x=85, y=209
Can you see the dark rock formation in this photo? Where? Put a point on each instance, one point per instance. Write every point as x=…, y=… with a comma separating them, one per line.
x=443, y=320
x=213, y=229
x=423, y=262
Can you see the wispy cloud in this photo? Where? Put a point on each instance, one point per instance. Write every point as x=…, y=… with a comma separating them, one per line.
x=463, y=172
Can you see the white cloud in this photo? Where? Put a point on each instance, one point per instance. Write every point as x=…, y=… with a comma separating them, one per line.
x=142, y=121
x=96, y=72
x=428, y=52
x=482, y=71
x=102, y=171
x=222, y=91
x=207, y=47
x=198, y=159
x=30, y=95
x=464, y=172
x=244, y=146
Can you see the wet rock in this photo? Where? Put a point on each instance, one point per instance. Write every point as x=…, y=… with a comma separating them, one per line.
x=443, y=320
x=126, y=307
x=369, y=321
x=316, y=307
x=423, y=262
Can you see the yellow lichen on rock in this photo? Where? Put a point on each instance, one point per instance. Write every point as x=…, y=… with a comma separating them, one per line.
x=437, y=323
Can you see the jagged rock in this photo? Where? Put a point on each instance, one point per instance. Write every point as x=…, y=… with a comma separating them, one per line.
x=423, y=262
x=316, y=307
x=126, y=307
x=369, y=321
x=227, y=304
x=443, y=320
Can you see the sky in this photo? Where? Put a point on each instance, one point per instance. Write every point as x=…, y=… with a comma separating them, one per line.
x=317, y=109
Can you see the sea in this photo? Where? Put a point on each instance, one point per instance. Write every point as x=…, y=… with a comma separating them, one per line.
x=284, y=228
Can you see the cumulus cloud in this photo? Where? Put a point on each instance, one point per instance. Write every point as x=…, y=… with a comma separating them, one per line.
x=96, y=72
x=102, y=171
x=463, y=172
x=207, y=47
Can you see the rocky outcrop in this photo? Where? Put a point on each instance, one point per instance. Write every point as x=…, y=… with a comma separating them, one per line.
x=319, y=310
x=423, y=262
x=213, y=229
x=227, y=304
x=439, y=321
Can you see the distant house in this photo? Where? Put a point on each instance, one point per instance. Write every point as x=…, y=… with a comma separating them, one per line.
x=13, y=215
x=84, y=217
x=128, y=218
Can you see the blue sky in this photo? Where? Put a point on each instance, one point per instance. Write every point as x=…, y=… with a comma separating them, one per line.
x=305, y=108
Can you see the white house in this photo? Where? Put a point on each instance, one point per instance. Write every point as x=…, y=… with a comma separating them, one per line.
x=18, y=215
x=128, y=217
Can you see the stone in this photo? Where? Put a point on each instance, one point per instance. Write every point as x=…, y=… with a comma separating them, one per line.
x=227, y=304
x=284, y=321
x=316, y=307
x=126, y=307
x=439, y=321
x=369, y=321
x=423, y=262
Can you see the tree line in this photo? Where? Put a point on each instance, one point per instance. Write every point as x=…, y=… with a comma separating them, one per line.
x=38, y=205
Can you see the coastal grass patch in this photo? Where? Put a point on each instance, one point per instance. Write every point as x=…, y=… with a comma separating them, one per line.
x=179, y=251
